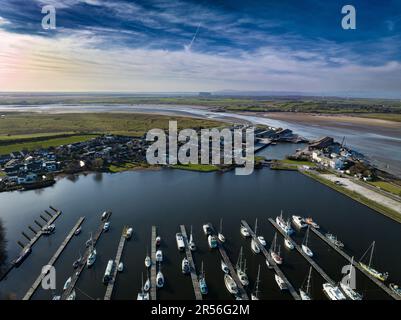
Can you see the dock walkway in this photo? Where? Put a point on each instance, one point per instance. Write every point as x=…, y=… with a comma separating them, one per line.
x=303, y=254
x=153, y=266
x=380, y=284
x=276, y=268
x=77, y=273
x=233, y=273
x=110, y=285
x=53, y=259
x=194, y=276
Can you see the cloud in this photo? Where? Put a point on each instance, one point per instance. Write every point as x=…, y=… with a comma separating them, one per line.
x=3, y=21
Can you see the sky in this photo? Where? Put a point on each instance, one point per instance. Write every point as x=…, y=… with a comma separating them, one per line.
x=191, y=46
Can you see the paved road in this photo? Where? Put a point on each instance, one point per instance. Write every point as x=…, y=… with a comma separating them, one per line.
x=366, y=192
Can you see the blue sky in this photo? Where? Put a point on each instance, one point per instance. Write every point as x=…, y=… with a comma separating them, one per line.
x=161, y=45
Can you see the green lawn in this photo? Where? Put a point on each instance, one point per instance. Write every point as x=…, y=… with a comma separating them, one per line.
x=196, y=167
x=387, y=186
x=300, y=163
x=51, y=142
x=125, y=167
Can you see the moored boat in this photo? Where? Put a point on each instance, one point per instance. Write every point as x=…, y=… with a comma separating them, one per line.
x=289, y=244
x=207, y=229
x=255, y=247
x=345, y=285
x=106, y=226
x=299, y=222
x=333, y=292
x=180, y=241
x=108, y=272
x=244, y=231
x=280, y=282
x=159, y=256
x=305, y=292
x=262, y=240
x=382, y=276
x=212, y=241
x=24, y=253
x=333, y=239
x=67, y=283
x=128, y=233
x=255, y=293
x=192, y=245
x=230, y=284
x=185, y=267
x=160, y=279
x=312, y=223
x=305, y=247
x=202, y=282
x=395, y=288
x=120, y=267
x=274, y=253
x=78, y=231
x=284, y=225
x=158, y=241
x=224, y=267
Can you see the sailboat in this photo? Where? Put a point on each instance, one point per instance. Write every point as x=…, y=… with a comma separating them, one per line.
x=142, y=295
x=254, y=245
x=306, y=294
x=146, y=286
x=159, y=278
x=305, y=247
x=92, y=254
x=284, y=225
x=346, y=288
x=221, y=237
x=192, y=245
x=368, y=268
x=255, y=294
x=77, y=262
x=202, y=281
x=148, y=261
x=241, y=269
x=275, y=255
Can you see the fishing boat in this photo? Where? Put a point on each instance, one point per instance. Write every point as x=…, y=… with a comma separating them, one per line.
x=299, y=222
x=230, y=284
x=72, y=296
x=158, y=241
x=92, y=255
x=289, y=244
x=333, y=292
x=128, y=233
x=262, y=240
x=159, y=256
x=67, y=283
x=274, y=253
x=255, y=247
x=224, y=267
x=255, y=293
x=312, y=223
x=333, y=239
x=120, y=267
x=108, y=272
x=143, y=295
x=220, y=235
x=284, y=225
x=159, y=278
x=241, y=269
x=244, y=231
x=345, y=285
x=305, y=247
x=106, y=226
x=212, y=241
x=192, y=245
x=24, y=253
x=202, y=282
x=207, y=229
x=78, y=231
x=185, y=267
x=280, y=282
x=368, y=267
x=180, y=241
x=305, y=293
x=395, y=288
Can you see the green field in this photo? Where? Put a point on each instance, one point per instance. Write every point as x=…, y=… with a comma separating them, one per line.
x=387, y=186
x=196, y=167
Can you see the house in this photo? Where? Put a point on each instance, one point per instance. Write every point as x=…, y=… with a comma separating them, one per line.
x=50, y=166
x=336, y=163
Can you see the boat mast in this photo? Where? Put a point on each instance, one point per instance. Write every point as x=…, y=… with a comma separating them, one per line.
x=306, y=237
x=350, y=270
x=256, y=225
x=308, y=281
x=142, y=285
x=257, y=283
x=239, y=262
x=190, y=237
x=371, y=253
x=221, y=225
x=244, y=266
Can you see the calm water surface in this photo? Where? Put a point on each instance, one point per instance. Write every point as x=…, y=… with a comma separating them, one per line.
x=168, y=198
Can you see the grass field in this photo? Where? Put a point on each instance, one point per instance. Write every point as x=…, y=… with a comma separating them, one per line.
x=387, y=186
x=128, y=166
x=28, y=131
x=196, y=167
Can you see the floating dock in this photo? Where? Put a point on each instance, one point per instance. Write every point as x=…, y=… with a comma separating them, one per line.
x=233, y=273
x=39, y=279
x=153, y=266
x=77, y=273
x=307, y=258
x=110, y=285
x=380, y=284
x=276, y=268
x=194, y=276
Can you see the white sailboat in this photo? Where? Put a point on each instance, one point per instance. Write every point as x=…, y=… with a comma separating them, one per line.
x=202, y=281
x=221, y=237
x=148, y=261
x=280, y=282
x=368, y=267
x=142, y=295
x=254, y=245
x=160, y=278
x=241, y=269
x=275, y=255
x=230, y=284
x=255, y=294
x=306, y=294
x=333, y=292
x=284, y=225
x=305, y=247
x=192, y=245
x=92, y=254
x=346, y=286
x=224, y=267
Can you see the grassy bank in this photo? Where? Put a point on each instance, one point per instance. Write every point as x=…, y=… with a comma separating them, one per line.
x=196, y=167
x=287, y=164
x=356, y=196
x=128, y=166
x=387, y=186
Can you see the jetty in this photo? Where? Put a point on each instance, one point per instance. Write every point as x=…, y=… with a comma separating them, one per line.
x=276, y=268
x=194, y=276
x=379, y=283
x=241, y=290
x=120, y=248
x=81, y=267
x=303, y=254
x=53, y=259
x=153, y=266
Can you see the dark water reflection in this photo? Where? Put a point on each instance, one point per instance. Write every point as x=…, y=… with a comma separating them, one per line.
x=168, y=198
